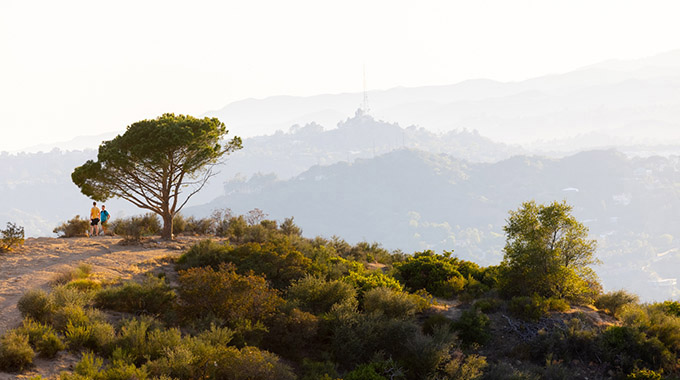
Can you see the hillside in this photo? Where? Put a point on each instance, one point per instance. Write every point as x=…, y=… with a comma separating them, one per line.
x=261, y=302
x=414, y=200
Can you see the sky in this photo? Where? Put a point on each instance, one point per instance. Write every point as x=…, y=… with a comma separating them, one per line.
x=75, y=68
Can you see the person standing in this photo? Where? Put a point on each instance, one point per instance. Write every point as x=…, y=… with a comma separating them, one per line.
x=94, y=219
x=104, y=216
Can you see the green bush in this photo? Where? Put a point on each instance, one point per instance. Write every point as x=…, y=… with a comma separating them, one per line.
x=316, y=295
x=672, y=308
x=41, y=337
x=75, y=227
x=557, y=304
x=461, y=367
x=436, y=322
x=225, y=294
x=364, y=281
x=85, y=285
x=293, y=334
x=391, y=303
x=644, y=374
x=488, y=305
x=15, y=351
x=153, y=296
x=529, y=308
x=36, y=304
x=438, y=274
x=95, y=335
x=132, y=229
x=63, y=295
x=612, y=302
x=472, y=327
x=82, y=272
x=12, y=237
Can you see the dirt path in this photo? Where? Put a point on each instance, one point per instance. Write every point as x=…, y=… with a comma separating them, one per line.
x=41, y=259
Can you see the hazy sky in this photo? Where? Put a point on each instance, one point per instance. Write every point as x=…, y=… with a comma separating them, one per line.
x=72, y=68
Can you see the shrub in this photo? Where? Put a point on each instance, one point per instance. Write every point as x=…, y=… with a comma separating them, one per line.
x=472, y=327
x=132, y=229
x=462, y=367
x=436, y=322
x=152, y=296
x=432, y=272
x=199, y=227
x=488, y=305
x=557, y=304
x=672, y=308
x=73, y=228
x=529, y=308
x=36, y=304
x=74, y=314
x=84, y=285
x=644, y=374
x=612, y=302
x=96, y=335
x=12, y=237
x=225, y=294
x=364, y=281
x=391, y=303
x=42, y=337
x=64, y=295
x=293, y=334
x=82, y=272
x=15, y=351
x=317, y=295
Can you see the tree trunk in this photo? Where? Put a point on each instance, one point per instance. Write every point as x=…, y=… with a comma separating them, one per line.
x=167, y=227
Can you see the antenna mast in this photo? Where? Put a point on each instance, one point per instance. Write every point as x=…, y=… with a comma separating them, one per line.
x=364, y=106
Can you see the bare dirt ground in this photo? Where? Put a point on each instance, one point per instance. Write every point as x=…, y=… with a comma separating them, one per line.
x=40, y=260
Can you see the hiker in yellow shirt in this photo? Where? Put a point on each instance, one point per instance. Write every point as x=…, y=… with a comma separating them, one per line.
x=94, y=220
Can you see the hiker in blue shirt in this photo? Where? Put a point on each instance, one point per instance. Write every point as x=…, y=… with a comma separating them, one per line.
x=104, y=216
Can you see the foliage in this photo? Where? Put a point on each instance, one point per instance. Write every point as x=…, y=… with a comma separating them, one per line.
x=73, y=228
x=277, y=260
x=15, y=351
x=392, y=303
x=132, y=229
x=644, y=374
x=488, y=305
x=35, y=304
x=193, y=226
x=529, y=308
x=364, y=281
x=672, y=308
x=157, y=164
x=225, y=294
x=472, y=327
x=436, y=322
x=12, y=237
x=438, y=274
x=316, y=295
x=81, y=272
x=464, y=367
x=152, y=296
x=612, y=302
x=547, y=252
x=42, y=337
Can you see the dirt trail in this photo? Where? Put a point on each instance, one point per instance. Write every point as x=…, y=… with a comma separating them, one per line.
x=41, y=259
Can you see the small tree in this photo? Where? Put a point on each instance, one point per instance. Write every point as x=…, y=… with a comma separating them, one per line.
x=157, y=164
x=12, y=237
x=548, y=253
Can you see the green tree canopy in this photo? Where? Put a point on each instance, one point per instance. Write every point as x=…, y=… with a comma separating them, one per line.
x=157, y=164
x=548, y=252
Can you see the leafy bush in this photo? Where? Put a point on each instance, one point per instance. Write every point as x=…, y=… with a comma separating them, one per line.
x=436, y=322
x=364, y=281
x=132, y=229
x=15, y=351
x=644, y=374
x=317, y=295
x=12, y=237
x=529, y=308
x=75, y=227
x=84, y=285
x=435, y=273
x=94, y=335
x=152, y=296
x=557, y=304
x=392, y=303
x=461, y=367
x=472, y=327
x=293, y=334
x=36, y=304
x=63, y=295
x=83, y=271
x=42, y=337
x=672, y=308
x=612, y=302
x=488, y=305
x=225, y=294
x=193, y=226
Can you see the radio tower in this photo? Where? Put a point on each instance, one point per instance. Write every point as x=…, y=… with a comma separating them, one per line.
x=364, y=106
